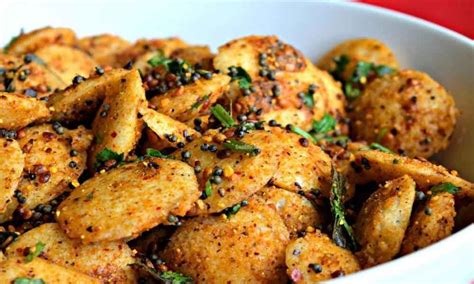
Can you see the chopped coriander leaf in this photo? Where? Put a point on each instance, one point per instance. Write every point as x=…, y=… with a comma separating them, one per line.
x=341, y=63
x=90, y=195
x=377, y=146
x=106, y=155
x=341, y=228
x=158, y=60
x=350, y=91
x=361, y=72
x=232, y=210
x=308, y=99
x=239, y=74
x=12, y=41
x=175, y=277
x=155, y=153
x=326, y=124
x=299, y=131
x=208, y=188
x=200, y=101
x=223, y=116
x=25, y=280
x=169, y=277
x=35, y=252
x=381, y=70
x=445, y=187
x=241, y=147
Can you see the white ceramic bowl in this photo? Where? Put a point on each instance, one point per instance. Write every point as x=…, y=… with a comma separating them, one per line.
x=313, y=27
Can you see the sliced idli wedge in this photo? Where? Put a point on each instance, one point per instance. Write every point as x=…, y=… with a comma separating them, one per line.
x=116, y=126
x=38, y=270
x=315, y=257
x=164, y=127
x=12, y=161
x=245, y=171
x=128, y=200
x=103, y=48
x=432, y=222
x=80, y=102
x=31, y=41
x=107, y=261
x=66, y=62
x=18, y=110
x=378, y=166
x=247, y=247
x=296, y=211
x=383, y=220
x=303, y=167
x=190, y=101
x=49, y=160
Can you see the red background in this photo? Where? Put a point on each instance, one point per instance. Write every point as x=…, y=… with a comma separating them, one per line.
x=457, y=15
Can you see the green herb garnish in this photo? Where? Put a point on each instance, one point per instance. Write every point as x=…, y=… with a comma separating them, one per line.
x=25, y=280
x=308, y=99
x=445, y=187
x=350, y=91
x=168, y=277
x=377, y=146
x=158, y=60
x=232, y=210
x=208, y=188
x=342, y=233
x=38, y=249
x=223, y=116
x=381, y=70
x=150, y=152
x=175, y=277
x=106, y=155
x=299, y=131
x=326, y=124
x=241, y=147
x=341, y=63
x=241, y=76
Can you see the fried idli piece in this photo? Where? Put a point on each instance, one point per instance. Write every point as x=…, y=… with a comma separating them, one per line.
x=12, y=161
x=303, y=167
x=28, y=75
x=383, y=220
x=248, y=247
x=314, y=258
x=16, y=269
x=165, y=45
x=199, y=55
x=372, y=165
x=361, y=49
x=188, y=102
x=18, y=110
x=408, y=112
x=66, y=62
x=80, y=102
x=431, y=223
x=243, y=173
x=165, y=127
x=106, y=261
x=138, y=196
x=116, y=126
x=296, y=211
x=282, y=80
x=49, y=160
x=32, y=41
x=103, y=48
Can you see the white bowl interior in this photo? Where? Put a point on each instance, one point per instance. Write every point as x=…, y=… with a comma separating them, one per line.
x=313, y=27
